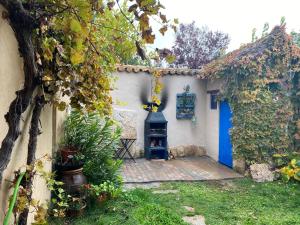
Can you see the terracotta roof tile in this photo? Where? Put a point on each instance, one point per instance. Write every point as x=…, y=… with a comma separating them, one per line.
x=165, y=71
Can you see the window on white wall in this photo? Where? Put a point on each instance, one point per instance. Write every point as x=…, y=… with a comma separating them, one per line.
x=213, y=99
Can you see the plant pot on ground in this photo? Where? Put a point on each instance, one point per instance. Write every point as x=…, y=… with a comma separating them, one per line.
x=67, y=152
x=103, y=192
x=73, y=180
x=70, y=173
x=97, y=138
x=73, y=162
x=76, y=207
x=102, y=198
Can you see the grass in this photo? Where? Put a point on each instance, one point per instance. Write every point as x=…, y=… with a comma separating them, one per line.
x=238, y=202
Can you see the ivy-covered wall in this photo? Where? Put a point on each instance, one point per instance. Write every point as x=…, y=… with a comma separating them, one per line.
x=262, y=87
x=295, y=98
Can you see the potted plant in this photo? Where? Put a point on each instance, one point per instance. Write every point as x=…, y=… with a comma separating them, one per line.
x=68, y=152
x=74, y=135
x=103, y=192
x=70, y=159
x=95, y=140
x=76, y=207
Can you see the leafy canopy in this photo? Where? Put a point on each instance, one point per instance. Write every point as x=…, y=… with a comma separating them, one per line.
x=79, y=42
x=261, y=85
x=196, y=46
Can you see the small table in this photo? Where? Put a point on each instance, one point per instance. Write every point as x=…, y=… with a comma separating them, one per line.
x=126, y=143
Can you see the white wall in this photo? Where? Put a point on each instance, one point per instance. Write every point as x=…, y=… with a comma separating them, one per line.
x=12, y=78
x=213, y=121
x=185, y=132
x=180, y=132
x=127, y=91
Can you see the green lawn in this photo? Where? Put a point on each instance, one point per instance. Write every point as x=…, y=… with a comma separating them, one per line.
x=232, y=202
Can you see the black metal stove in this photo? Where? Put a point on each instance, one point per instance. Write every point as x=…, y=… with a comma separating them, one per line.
x=156, y=142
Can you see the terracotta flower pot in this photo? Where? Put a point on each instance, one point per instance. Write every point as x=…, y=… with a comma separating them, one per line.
x=73, y=179
x=68, y=151
x=103, y=197
x=76, y=212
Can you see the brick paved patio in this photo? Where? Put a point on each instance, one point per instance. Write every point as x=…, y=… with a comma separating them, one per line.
x=183, y=169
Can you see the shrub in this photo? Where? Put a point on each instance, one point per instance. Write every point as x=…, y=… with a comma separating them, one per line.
x=291, y=171
x=97, y=139
x=74, y=132
x=280, y=160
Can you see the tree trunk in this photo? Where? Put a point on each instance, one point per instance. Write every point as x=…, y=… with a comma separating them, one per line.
x=33, y=134
x=23, y=25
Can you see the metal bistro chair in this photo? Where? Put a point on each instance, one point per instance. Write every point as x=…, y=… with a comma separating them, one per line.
x=125, y=145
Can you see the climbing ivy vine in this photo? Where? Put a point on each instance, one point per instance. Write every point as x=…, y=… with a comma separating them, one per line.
x=69, y=49
x=260, y=85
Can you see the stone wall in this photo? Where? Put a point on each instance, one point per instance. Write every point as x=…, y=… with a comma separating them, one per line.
x=187, y=150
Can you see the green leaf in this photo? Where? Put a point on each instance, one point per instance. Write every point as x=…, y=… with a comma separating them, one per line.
x=75, y=26
x=297, y=175
x=285, y=177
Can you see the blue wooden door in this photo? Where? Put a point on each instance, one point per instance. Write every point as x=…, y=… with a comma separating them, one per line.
x=225, y=147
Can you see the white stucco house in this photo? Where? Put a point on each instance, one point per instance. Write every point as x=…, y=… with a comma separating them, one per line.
x=198, y=136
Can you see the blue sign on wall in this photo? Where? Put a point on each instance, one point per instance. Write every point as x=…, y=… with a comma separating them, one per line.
x=185, y=105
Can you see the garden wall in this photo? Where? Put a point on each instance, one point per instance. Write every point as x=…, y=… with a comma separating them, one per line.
x=12, y=78
x=184, y=136
x=213, y=121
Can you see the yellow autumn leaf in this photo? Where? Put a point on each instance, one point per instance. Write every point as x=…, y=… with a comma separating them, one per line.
x=47, y=77
x=293, y=163
x=47, y=54
x=156, y=100
x=291, y=173
x=76, y=57
x=75, y=26
x=170, y=58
